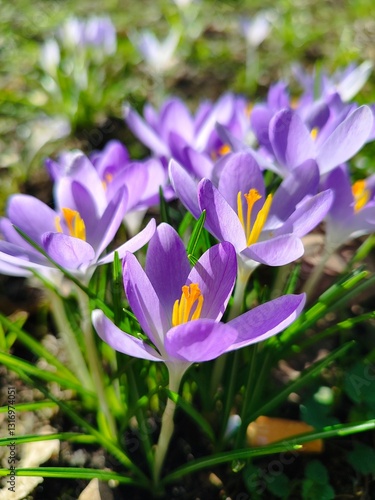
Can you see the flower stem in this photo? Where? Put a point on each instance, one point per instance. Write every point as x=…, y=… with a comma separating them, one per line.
x=167, y=425
x=317, y=273
x=94, y=361
x=72, y=347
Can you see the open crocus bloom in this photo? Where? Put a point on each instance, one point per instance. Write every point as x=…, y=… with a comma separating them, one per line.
x=353, y=210
x=263, y=229
x=192, y=140
x=180, y=308
x=75, y=236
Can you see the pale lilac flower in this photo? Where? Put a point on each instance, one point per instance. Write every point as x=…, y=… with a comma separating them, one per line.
x=180, y=308
x=265, y=230
x=158, y=55
x=256, y=29
x=75, y=236
x=353, y=210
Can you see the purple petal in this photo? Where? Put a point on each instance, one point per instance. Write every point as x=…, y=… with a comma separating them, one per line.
x=215, y=272
x=199, y=164
x=31, y=215
x=199, y=340
x=266, y=320
x=308, y=215
x=167, y=266
x=110, y=222
x=346, y=140
x=277, y=251
x=144, y=302
x=302, y=181
x=69, y=252
x=176, y=118
x=144, y=132
x=290, y=139
x=134, y=177
x=113, y=158
x=260, y=119
x=185, y=187
x=121, y=341
x=343, y=206
x=132, y=245
x=86, y=207
x=241, y=173
x=221, y=220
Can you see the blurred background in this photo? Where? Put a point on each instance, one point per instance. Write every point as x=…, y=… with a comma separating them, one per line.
x=68, y=67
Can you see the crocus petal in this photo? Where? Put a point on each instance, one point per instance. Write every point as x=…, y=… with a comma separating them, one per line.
x=121, y=341
x=167, y=265
x=110, y=222
x=132, y=245
x=215, y=272
x=144, y=301
x=199, y=164
x=308, y=215
x=260, y=119
x=185, y=187
x=144, y=133
x=199, y=340
x=345, y=140
x=86, y=207
x=241, y=173
x=176, y=118
x=69, y=252
x=31, y=215
x=303, y=181
x=290, y=139
x=266, y=320
x=221, y=220
x=277, y=251
x=134, y=177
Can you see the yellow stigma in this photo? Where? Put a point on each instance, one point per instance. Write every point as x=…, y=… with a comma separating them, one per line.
x=74, y=222
x=252, y=233
x=294, y=103
x=249, y=109
x=361, y=195
x=314, y=133
x=224, y=149
x=183, y=309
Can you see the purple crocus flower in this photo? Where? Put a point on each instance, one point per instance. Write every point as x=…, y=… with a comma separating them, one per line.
x=353, y=211
x=293, y=142
x=108, y=171
x=75, y=235
x=96, y=32
x=192, y=140
x=180, y=308
x=263, y=229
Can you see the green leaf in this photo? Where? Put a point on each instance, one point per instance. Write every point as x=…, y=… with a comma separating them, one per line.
x=279, y=485
x=312, y=491
x=195, y=235
x=317, y=472
x=362, y=459
x=193, y=413
x=63, y=436
x=74, y=473
x=18, y=365
x=37, y=348
x=38, y=405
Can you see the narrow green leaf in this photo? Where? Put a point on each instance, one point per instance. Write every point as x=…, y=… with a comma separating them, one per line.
x=293, y=443
x=292, y=281
x=193, y=413
x=16, y=364
x=192, y=259
x=116, y=288
x=314, y=371
x=196, y=233
x=185, y=224
x=62, y=436
x=37, y=348
x=74, y=473
x=38, y=405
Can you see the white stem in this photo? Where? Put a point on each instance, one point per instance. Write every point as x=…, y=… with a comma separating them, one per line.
x=317, y=272
x=167, y=424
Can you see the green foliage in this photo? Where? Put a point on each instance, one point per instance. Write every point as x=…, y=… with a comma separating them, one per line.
x=362, y=458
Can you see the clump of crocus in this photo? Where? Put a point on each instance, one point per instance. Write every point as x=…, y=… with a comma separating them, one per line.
x=180, y=308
